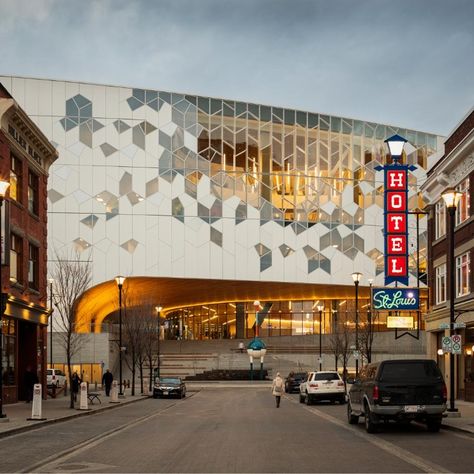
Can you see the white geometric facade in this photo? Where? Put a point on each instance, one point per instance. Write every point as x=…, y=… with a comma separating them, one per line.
x=156, y=184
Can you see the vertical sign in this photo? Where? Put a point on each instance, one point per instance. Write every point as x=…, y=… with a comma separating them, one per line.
x=396, y=222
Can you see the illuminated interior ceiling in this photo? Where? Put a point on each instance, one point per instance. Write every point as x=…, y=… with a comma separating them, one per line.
x=171, y=293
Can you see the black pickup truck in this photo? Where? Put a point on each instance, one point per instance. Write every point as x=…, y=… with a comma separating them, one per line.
x=400, y=390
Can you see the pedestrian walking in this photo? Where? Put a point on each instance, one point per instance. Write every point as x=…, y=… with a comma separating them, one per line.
x=30, y=378
x=107, y=380
x=76, y=383
x=277, y=388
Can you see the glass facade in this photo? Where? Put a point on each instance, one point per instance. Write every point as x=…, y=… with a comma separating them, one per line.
x=157, y=184
x=279, y=318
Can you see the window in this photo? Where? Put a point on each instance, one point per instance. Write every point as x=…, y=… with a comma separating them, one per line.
x=16, y=259
x=440, y=283
x=462, y=274
x=462, y=210
x=15, y=179
x=440, y=219
x=33, y=194
x=8, y=355
x=33, y=267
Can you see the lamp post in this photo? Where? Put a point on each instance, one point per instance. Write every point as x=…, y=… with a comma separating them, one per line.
x=51, y=283
x=320, y=309
x=369, y=323
x=120, y=280
x=356, y=276
x=3, y=189
x=451, y=198
x=158, y=311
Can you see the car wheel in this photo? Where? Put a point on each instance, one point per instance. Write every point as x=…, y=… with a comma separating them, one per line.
x=301, y=398
x=352, y=419
x=433, y=425
x=370, y=420
x=57, y=384
x=184, y=394
x=308, y=399
x=342, y=400
x=155, y=395
x=332, y=401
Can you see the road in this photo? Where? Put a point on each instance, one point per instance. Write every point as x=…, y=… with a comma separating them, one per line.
x=232, y=430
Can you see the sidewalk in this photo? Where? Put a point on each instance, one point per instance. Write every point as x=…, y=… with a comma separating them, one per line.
x=54, y=410
x=465, y=422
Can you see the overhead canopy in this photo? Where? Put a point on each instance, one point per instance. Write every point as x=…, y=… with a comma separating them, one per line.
x=172, y=293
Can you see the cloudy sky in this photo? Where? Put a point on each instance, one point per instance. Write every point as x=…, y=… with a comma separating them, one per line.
x=401, y=62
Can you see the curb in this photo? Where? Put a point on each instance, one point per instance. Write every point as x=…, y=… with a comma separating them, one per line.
x=41, y=424
x=457, y=429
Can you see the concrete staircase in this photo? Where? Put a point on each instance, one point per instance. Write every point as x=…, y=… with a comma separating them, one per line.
x=186, y=364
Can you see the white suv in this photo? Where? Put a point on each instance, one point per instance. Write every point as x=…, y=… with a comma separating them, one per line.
x=55, y=377
x=324, y=385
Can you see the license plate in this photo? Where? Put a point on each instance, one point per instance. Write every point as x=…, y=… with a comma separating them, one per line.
x=165, y=392
x=411, y=408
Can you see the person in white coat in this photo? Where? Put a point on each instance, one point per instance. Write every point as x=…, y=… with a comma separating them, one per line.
x=278, y=387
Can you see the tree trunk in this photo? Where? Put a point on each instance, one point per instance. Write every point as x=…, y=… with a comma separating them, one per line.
x=133, y=376
x=150, y=385
x=141, y=377
x=69, y=369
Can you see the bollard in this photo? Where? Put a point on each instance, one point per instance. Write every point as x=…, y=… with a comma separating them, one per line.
x=83, y=401
x=36, y=414
x=114, y=393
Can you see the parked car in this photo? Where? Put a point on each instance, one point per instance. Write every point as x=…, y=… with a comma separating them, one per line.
x=169, y=387
x=55, y=377
x=324, y=385
x=399, y=390
x=293, y=381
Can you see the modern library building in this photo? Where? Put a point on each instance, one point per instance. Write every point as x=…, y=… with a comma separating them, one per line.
x=217, y=210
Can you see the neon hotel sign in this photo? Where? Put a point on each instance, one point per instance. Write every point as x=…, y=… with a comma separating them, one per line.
x=396, y=221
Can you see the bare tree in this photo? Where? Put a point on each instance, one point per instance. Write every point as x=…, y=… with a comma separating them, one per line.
x=366, y=338
x=340, y=345
x=72, y=275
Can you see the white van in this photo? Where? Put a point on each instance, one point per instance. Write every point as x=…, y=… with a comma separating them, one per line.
x=55, y=377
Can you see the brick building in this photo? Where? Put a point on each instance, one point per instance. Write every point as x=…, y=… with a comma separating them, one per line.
x=454, y=170
x=25, y=157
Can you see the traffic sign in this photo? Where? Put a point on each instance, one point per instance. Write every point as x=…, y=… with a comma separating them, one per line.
x=457, y=343
x=444, y=326
x=459, y=325
x=447, y=344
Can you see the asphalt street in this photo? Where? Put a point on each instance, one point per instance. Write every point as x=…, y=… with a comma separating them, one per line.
x=232, y=430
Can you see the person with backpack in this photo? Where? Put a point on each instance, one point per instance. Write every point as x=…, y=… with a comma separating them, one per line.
x=277, y=388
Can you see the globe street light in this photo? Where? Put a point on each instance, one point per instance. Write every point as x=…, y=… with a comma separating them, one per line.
x=451, y=198
x=356, y=276
x=320, y=309
x=120, y=280
x=158, y=311
x=3, y=300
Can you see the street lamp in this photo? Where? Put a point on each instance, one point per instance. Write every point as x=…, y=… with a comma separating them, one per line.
x=3, y=189
x=395, y=145
x=451, y=198
x=369, y=322
x=51, y=283
x=356, y=276
x=320, y=309
x=120, y=280
x=158, y=311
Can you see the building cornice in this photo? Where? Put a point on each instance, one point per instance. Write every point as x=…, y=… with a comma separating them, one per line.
x=452, y=169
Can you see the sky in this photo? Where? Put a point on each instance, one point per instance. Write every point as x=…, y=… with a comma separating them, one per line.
x=408, y=63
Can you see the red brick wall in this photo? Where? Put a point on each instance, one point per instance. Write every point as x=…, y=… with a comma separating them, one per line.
x=32, y=226
x=461, y=132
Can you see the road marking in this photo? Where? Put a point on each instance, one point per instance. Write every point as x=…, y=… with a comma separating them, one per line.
x=50, y=462
x=390, y=448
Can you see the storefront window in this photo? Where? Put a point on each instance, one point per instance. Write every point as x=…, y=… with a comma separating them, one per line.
x=8, y=353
